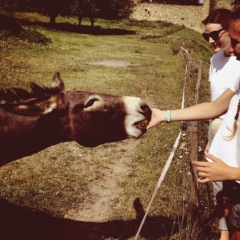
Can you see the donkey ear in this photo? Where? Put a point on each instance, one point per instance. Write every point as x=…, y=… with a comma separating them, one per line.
x=37, y=106
x=58, y=82
x=33, y=107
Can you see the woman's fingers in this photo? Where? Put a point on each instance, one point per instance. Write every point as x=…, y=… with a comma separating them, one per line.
x=203, y=180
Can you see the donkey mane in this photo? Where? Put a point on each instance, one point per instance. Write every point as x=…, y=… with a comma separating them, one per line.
x=17, y=95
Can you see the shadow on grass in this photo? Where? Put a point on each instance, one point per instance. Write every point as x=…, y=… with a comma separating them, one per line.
x=83, y=29
x=21, y=223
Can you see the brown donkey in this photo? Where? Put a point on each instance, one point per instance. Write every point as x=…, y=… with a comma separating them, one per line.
x=33, y=120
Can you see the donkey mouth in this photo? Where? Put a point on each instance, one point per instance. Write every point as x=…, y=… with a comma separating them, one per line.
x=142, y=124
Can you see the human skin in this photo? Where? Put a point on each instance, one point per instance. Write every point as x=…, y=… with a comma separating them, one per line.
x=224, y=41
x=234, y=32
x=202, y=111
x=216, y=170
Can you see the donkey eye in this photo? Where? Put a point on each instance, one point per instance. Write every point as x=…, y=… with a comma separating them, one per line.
x=91, y=102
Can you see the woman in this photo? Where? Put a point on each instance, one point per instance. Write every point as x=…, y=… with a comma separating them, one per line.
x=228, y=151
x=224, y=68
x=225, y=145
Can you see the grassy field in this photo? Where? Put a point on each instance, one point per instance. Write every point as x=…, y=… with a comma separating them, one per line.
x=58, y=179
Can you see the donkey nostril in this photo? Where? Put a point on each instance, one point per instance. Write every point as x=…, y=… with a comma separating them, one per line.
x=145, y=108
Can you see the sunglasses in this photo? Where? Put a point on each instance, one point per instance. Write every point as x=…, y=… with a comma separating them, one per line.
x=214, y=35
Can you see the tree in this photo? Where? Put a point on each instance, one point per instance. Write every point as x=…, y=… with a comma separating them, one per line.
x=116, y=9
x=9, y=6
x=51, y=8
x=54, y=8
x=109, y=9
x=85, y=8
x=12, y=6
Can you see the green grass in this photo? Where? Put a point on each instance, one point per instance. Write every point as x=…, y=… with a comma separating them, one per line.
x=56, y=179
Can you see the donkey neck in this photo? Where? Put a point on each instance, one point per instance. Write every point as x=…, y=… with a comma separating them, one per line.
x=25, y=135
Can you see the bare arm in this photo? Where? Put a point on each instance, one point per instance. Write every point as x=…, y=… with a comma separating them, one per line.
x=216, y=170
x=200, y=111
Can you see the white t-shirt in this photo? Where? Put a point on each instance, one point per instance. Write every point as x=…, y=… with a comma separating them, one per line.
x=222, y=72
x=225, y=148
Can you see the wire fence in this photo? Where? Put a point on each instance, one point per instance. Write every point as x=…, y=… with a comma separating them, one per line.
x=189, y=144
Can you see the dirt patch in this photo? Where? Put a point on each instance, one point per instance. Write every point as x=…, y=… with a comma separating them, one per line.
x=112, y=63
x=103, y=195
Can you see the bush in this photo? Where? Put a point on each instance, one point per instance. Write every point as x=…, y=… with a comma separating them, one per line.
x=33, y=37
x=10, y=27
x=9, y=24
x=4, y=34
x=175, y=46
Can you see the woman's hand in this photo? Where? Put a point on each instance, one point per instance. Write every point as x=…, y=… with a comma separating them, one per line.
x=207, y=148
x=157, y=117
x=216, y=170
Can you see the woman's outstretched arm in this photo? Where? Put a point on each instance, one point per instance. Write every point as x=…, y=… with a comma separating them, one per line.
x=202, y=111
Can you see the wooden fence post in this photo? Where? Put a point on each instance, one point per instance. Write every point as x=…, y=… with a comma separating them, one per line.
x=194, y=144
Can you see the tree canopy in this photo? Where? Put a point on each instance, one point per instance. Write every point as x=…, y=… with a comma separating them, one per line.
x=108, y=9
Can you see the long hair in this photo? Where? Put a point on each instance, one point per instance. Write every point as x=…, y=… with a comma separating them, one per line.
x=235, y=124
x=235, y=13
x=221, y=16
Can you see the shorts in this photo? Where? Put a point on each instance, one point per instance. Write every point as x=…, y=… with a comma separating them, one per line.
x=235, y=216
x=231, y=193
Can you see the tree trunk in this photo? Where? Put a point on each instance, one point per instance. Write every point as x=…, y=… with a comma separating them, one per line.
x=92, y=21
x=52, y=19
x=80, y=19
